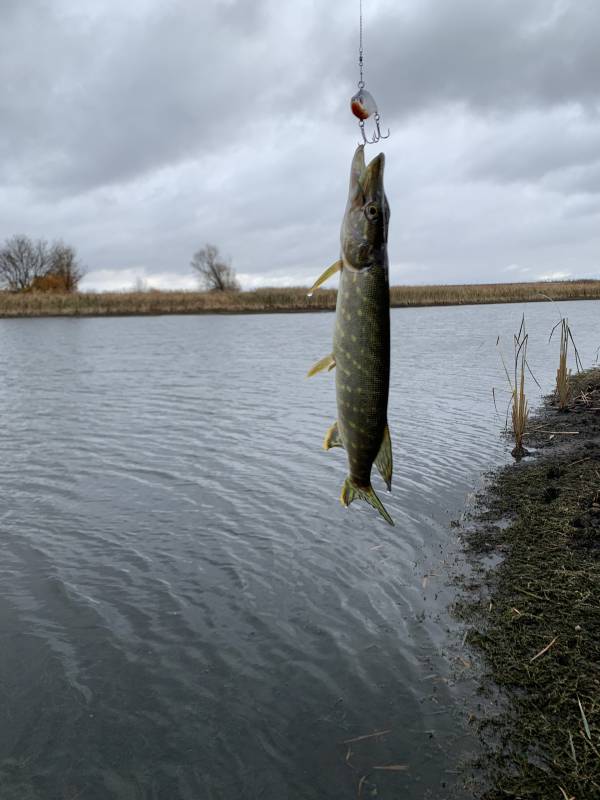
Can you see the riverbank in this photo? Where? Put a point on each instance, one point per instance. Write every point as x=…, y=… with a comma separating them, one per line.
x=534, y=610
x=260, y=301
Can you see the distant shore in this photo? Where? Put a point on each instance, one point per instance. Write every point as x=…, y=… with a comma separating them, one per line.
x=273, y=300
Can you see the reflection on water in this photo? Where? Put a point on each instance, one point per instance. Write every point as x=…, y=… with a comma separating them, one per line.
x=186, y=611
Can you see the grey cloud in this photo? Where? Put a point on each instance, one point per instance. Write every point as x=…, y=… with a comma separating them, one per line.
x=498, y=54
x=117, y=97
x=143, y=130
x=534, y=146
x=106, y=98
x=579, y=181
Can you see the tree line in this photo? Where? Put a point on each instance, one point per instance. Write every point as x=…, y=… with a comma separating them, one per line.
x=28, y=265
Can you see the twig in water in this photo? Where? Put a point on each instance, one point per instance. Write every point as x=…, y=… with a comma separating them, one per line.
x=394, y=767
x=361, y=783
x=348, y=756
x=366, y=736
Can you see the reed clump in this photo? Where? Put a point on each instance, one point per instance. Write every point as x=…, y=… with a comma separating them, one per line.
x=563, y=384
x=279, y=300
x=519, y=407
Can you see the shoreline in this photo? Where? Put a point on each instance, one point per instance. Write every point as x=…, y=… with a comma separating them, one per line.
x=279, y=301
x=532, y=608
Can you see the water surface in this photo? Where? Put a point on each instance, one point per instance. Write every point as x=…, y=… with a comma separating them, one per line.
x=186, y=611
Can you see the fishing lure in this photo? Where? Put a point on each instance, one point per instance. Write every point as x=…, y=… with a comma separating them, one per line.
x=363, y=104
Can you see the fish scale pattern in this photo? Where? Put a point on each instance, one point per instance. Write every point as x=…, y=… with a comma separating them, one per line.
x=362, y=355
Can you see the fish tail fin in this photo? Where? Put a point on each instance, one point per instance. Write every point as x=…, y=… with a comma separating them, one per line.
x=351, y=491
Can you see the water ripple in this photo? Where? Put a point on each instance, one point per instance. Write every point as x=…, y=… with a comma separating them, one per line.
x=185, y=609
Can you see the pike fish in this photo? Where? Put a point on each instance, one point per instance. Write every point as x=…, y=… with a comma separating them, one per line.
x=361, y=342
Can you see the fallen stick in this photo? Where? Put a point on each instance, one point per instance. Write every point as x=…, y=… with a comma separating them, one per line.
x=545, y=650
x=393, y=767
x=366, y=736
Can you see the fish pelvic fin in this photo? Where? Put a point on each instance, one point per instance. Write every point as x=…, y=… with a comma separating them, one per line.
x=332, y=437
x=351, y=491
x=335, y=267
x=327, y=363
x=384, y=462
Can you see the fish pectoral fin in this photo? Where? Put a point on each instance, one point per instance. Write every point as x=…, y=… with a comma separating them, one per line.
x=327, y=363
x=352, y=491
x=336, y=267
x=332, y=437
x=384, y=462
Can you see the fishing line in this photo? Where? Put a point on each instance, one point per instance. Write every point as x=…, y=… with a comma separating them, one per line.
x=362, y=103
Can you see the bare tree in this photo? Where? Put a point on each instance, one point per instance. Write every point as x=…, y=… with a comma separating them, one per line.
x=65, y=267
x=27, y=265
x=22, y=261
x=215, y=275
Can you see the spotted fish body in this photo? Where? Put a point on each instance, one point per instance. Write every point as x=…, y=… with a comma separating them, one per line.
x=361, y=345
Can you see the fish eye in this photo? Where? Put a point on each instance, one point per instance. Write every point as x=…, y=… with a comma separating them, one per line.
x=371, y=211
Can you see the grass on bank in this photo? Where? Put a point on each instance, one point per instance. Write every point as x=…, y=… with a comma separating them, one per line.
x=536, y=617
x=32, y=304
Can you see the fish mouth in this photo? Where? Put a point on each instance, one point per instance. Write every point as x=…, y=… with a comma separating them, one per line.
x=365, y=180
x=372, y=177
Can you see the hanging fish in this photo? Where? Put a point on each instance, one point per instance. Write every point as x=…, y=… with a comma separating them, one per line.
x=361, y=343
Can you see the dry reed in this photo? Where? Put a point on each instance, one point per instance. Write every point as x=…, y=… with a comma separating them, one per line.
x=518, y=405
x=520, y=408
x=563, y=374
x=33, y=304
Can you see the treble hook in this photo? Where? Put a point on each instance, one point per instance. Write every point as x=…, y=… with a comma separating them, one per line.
x=379, y=134
x=363, y=106
x=366, y=140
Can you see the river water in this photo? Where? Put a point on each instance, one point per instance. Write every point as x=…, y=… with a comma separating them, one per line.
x=186, y=611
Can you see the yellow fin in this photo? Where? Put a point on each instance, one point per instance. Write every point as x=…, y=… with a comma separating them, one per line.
x=384, y=462
x=325, y=276
x=327, y=363
x=351, y=491
x=332, y=438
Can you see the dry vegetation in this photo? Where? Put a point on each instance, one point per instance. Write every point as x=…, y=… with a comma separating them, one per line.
x=563, y=374
x=520, y=407
x=518, y=404
x=279, y=300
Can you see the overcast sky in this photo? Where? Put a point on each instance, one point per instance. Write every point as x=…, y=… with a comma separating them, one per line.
x=138, y=131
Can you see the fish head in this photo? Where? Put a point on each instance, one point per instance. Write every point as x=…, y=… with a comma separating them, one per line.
x=365, y=225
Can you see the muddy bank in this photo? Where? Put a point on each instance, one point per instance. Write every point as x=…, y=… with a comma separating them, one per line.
x=533, y=609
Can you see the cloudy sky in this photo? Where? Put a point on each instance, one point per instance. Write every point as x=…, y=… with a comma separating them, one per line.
x=140, y=130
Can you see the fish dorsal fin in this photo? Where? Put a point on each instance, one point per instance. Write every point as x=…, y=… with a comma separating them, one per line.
x=384, y=462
